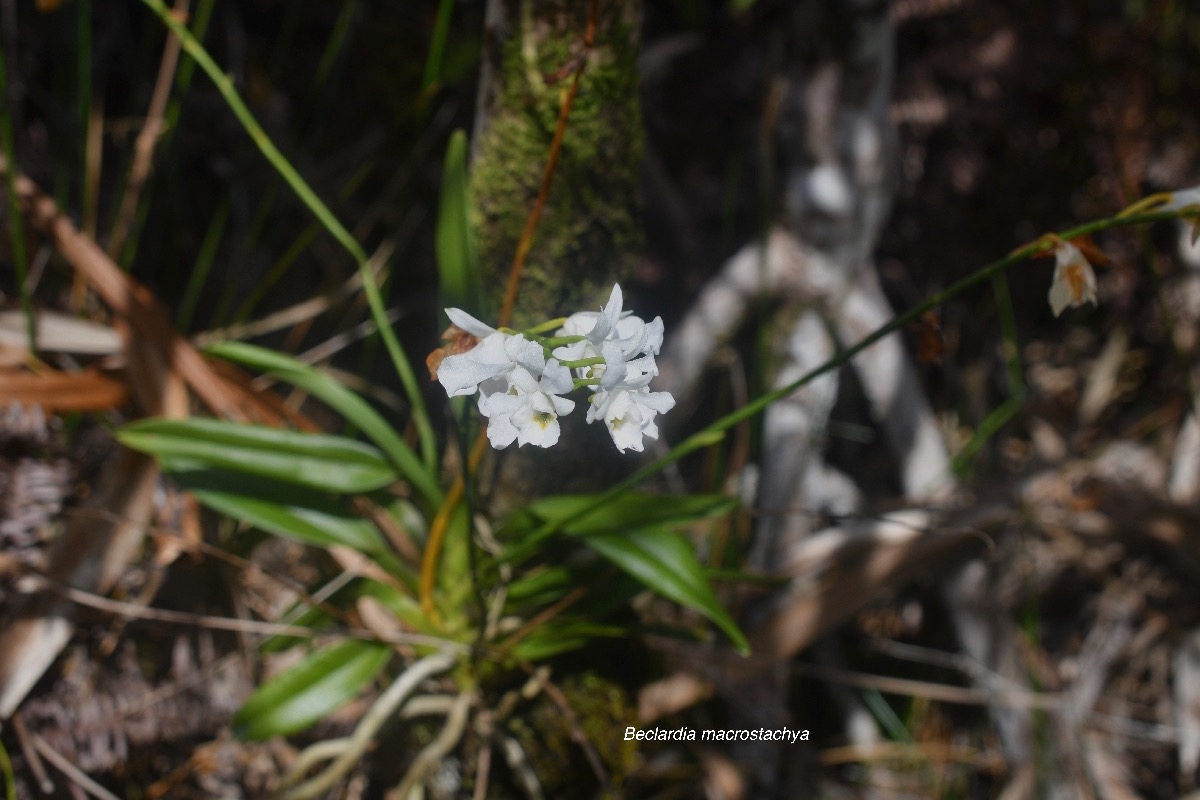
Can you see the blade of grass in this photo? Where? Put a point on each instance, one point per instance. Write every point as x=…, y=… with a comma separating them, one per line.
x=437, y=47
x=204, y=262
x=15, y=224
x=224, y=85
x=993, y=422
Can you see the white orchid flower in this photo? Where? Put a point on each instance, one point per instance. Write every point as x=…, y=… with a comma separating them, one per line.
x=596, y=326
x=495, y=355
x=520, y=389
x=629, y=413
x=528, y=411
x=1074, y=280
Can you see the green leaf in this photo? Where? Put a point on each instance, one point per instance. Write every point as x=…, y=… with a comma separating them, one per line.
x=630, y=510
x=281, y=508
x=663, y=560
x=357, y=411
x=305, y=694
x=559, y=637
x=318, y=461
x=458, y=274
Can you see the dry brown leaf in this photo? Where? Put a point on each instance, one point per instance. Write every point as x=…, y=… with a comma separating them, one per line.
x=61, y=391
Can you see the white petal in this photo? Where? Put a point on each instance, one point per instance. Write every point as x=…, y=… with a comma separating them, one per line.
x=1182, y=199
x=571, y=352
x=609, y=316
x=654, y=336
x=522, y=380
x=556, y=379
x=1074, y=280
x=578, y=324
x=614, y=365
x=468, y=323
x=501, y=432
x=1060, y=297
x=597, y=405
x=461, y=374
x=527, y=354
x=659, y=402
x=562, y=405
x=500, y=404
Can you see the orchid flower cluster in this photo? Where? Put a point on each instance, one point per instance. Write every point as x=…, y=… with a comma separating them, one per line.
x=521, y=377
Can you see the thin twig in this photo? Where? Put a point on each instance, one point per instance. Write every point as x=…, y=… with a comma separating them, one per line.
x=74, y=773
x=143, y=148
x=302, y=311
x=136, y=611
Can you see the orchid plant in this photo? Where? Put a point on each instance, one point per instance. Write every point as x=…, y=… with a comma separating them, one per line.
x=521, y=377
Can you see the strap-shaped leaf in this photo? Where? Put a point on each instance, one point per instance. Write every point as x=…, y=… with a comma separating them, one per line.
x=280, y=508
x=356, y=411
x=663, y=560
x=630, y=510
x=555, y=638
x=310, y=691
x=457, y=273
x=318, y=461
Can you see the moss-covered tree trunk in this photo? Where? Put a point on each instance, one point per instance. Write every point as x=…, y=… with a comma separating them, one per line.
x=591, y=228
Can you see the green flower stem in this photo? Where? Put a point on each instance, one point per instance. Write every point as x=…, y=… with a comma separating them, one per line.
x=716, y=431
x=583, y=362
x=558, y=341
x=547, y=326
x=318, y=208
x=582, y=382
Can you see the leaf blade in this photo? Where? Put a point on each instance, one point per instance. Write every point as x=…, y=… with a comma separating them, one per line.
x=318, y=461
x=663, y=560
x=303, y=695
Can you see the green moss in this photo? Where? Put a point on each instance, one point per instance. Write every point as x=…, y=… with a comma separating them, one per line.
x=602, y=710
x=590, y=231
